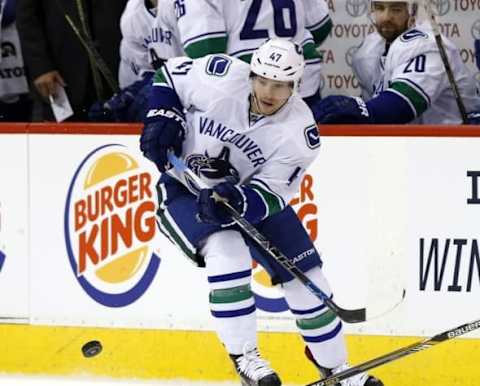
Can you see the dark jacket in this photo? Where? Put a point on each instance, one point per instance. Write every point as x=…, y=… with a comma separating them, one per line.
x=49, y=43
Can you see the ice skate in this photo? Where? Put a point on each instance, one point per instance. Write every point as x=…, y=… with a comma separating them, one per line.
x=362, y=379
x=253, y=370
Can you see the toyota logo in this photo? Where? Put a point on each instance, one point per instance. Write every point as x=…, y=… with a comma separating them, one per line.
x=442, y=6
x=349, y=55
x=356, y=8
x=476, y=29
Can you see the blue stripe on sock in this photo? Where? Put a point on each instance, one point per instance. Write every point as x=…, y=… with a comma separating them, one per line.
x=324, y=337
x=310, y=311
x=234, y=313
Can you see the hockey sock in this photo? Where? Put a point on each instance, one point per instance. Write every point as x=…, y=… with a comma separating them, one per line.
x=320, y=328
x=232, y=303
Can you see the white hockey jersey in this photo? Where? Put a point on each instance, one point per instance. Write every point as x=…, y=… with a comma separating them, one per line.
x=222, y=142
x=138, y=31
x=413, y=69
x=238, y=27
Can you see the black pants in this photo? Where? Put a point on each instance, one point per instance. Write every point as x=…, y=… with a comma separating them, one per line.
x=20, y=111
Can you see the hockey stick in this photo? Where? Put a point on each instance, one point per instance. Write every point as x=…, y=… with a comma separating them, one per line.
x=446, y=63
x=349, y=316
x=397, y=354
x=89, y=46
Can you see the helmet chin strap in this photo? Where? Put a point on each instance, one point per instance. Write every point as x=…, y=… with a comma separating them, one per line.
x=254, y=107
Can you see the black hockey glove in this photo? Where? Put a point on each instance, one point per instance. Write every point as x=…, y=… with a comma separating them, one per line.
x=165, y=131
x=212, y=212
x=341, y=109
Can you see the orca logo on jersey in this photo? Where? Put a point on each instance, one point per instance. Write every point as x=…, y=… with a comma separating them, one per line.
x=216, y=169
x=413, y=34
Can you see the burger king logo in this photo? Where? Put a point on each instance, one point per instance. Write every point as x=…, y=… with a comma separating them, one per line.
x=109, y=224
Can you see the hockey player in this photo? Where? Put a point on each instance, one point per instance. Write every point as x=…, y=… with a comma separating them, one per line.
x=402, y=75
x=137, y=32
x=235, y=28
x=244, y=130
x=137, y=65
x=238, y=28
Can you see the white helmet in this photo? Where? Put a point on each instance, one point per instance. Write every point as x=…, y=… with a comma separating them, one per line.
x=279, y=59
x=412, y=6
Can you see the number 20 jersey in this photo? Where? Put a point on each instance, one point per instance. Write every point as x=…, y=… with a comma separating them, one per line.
x=413, y=69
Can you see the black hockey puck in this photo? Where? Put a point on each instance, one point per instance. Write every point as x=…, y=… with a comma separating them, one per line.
x=92, y=348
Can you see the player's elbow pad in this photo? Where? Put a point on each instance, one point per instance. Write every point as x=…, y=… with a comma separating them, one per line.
x=387, y=107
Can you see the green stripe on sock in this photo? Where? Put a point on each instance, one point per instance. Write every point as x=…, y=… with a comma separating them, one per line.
x=317, y=322
x=416, y=99
x=208, y=46
x=231, y=295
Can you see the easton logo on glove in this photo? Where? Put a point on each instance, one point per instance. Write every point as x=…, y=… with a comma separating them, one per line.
x=167, y=114
x=362, y=106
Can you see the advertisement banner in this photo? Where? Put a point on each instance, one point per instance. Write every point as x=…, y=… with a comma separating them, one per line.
x=79, y=243
x=14, y=258
x=459, y=21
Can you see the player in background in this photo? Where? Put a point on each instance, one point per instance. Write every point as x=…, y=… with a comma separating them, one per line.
x=402, y=75
x=137, y=64
x=246, y=132
x=136, y=25
x=239, y=27
x=236, y=28
x=15, y=102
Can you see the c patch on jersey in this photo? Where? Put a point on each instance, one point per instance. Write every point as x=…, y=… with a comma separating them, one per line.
x=312, y=137
x=413, y=34
x=218, y=65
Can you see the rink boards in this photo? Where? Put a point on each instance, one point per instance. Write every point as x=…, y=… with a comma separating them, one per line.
x=388, y=207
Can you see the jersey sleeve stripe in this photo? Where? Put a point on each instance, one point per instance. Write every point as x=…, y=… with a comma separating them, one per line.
x=207, y=46
x=417, y=87
x=168, y=77
x=409, y=102
x=309, y=51
x=248, y=51
x=319, y=24
x=208, y=35
x=321, y=30
x=418, y=100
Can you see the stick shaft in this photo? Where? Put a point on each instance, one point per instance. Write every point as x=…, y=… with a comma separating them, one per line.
x=400, y=353
x=446, y=63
